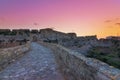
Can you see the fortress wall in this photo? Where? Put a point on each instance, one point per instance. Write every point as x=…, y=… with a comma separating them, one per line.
x=51, y=34
x=75, y=66
x=8, y=55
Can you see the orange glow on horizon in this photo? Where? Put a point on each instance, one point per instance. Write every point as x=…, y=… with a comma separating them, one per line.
x=84, y=17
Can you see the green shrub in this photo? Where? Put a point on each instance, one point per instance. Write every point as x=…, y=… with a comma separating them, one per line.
x=112, y=58
x=114, y=63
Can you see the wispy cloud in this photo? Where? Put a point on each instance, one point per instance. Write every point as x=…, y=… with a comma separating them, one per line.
x=108, y=21
x=118, y=24
x=112, y=23
x=114, y=20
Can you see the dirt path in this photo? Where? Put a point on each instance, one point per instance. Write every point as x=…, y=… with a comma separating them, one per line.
x=38, y=64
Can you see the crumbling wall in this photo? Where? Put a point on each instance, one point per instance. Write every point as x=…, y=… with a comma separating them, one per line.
x=75, y=66
x=9, y=55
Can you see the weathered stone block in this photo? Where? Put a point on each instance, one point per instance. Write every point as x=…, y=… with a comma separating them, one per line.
x=76, y=66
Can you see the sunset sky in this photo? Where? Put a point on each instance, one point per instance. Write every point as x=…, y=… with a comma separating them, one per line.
x=85, y=17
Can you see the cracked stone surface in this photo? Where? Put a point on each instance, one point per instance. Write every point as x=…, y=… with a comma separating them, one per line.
x=38, y=64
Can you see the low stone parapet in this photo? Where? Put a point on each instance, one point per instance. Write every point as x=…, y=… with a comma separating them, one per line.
x=76, y=66
x=8, y=55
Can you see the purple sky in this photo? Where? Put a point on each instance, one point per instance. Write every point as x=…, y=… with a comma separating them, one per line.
x=85, y=17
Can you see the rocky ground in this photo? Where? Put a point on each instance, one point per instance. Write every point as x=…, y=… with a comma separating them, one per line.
x=38, y=64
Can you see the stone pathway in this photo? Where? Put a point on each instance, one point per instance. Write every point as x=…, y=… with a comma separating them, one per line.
x=38, y=64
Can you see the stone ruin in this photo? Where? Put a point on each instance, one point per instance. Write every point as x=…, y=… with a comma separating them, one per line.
x=49, y=35
x=74, y=65
x=11, y=38
x=21, y=36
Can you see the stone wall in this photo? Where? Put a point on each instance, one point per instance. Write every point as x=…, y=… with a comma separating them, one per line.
x=51, y=35
x=9, y=55
x=75, y=66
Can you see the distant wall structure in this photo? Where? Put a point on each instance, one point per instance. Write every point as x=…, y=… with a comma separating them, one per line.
x=12, y=41
x=8, y=55
x=15, y=37
x=80, y=41
x=51, y=35
x=47, y=35
x=5, y=31
x=75, y=66
x=113, y=37
x=83, y=40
